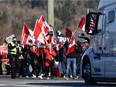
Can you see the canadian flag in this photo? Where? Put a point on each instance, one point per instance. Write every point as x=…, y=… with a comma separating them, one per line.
x=27, y=35
x=82, y=24
x=71, y=46
x=68, y=32
x=59, y=45
x=41, y=29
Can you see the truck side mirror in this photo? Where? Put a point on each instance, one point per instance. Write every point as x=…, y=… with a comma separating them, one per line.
x=91, y=23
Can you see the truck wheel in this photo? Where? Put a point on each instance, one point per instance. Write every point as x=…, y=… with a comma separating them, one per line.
x=87, y=73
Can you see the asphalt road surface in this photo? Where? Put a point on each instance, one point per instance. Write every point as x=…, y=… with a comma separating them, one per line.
x=6, y=81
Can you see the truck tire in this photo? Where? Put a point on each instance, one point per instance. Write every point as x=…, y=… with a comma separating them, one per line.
x=86, y=70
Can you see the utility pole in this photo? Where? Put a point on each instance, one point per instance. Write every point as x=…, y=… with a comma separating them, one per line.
x=51, y=12
x=87, y=6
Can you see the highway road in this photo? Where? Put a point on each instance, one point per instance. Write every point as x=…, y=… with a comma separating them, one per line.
x=6, y=81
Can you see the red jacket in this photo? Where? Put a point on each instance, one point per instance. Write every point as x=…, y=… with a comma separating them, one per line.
x=49, y=57
x=40, y=51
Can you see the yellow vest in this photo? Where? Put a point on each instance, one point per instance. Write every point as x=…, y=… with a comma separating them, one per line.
x=14, y=50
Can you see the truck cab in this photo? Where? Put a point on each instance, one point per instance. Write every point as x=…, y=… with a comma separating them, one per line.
x=98, y=63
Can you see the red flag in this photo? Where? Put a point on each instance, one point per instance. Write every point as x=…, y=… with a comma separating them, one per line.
x=71, y=46
x=57, y=71
x=68, y=32
x=38, y=32
x=44, y=25
x=6, y=61
x=41, y=29
x=59, y=45
x=82, y=24
x=37, y=29
x=27, y=35
x=25, y=30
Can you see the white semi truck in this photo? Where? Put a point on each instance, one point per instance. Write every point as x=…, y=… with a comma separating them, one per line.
x=98, y=63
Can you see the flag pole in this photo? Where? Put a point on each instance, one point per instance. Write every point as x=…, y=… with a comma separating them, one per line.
x=22, y=32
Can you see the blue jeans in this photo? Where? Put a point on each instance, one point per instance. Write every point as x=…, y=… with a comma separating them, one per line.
x=68, y=66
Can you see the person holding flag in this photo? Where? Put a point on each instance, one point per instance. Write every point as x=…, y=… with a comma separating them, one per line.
x=50, y=54
x=71, y=55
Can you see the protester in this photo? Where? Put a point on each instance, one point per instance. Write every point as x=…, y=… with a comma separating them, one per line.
x=71, y=59
x=61, y=58
x=18, y=48
x=33, y=60
x=40, y=66
x=20, y=55
x=49, y=60
x=35, y=64
x=29, y=56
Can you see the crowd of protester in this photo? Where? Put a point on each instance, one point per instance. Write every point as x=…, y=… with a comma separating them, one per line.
x=48, y=62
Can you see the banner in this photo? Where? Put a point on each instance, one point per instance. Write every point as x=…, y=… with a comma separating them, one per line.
x=8, y=39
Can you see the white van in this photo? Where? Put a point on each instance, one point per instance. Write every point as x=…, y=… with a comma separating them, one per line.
x=98, y=63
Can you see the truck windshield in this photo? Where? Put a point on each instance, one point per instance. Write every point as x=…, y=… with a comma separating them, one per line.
x=100, y=23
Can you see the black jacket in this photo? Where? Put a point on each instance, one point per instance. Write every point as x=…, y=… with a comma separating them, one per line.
x=75, y=53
